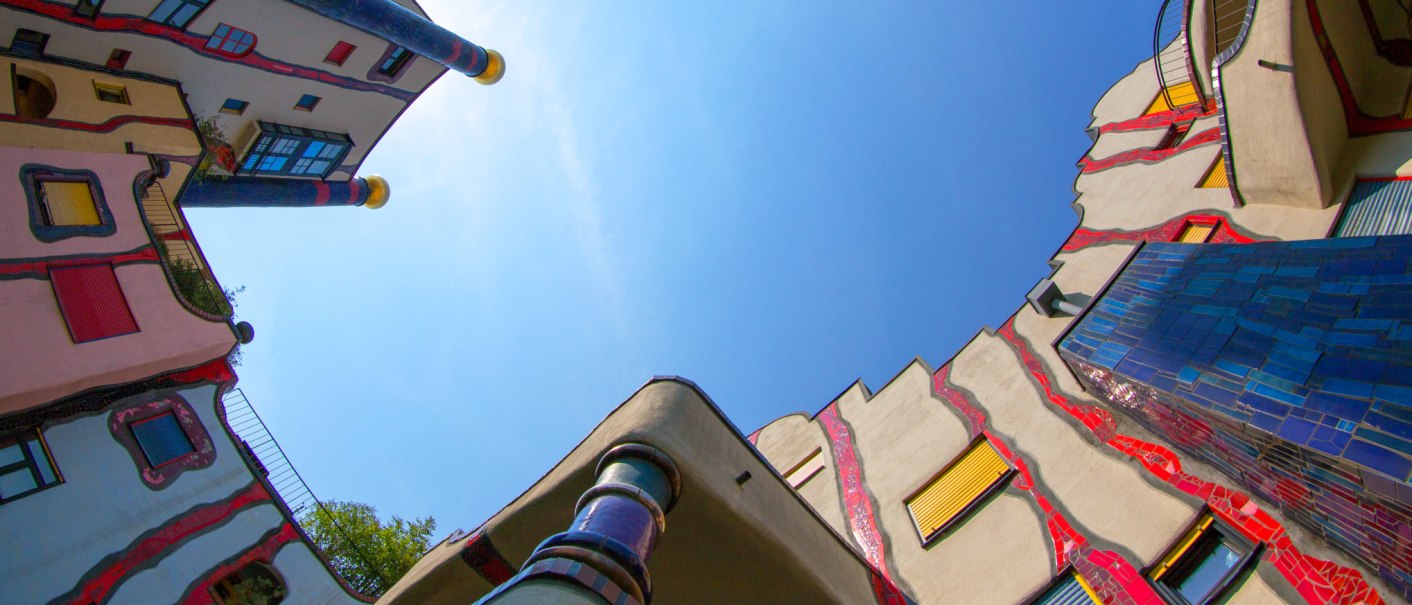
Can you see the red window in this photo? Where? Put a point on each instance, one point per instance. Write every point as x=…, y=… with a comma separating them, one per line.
x=230, y=41
x=1174, y=136
x=92, y=302
x=118, y=58
x=340, y=53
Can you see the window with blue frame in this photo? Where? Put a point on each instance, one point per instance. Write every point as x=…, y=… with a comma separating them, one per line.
x=177, y=13
x=230, y=41
x=395, y=60
x=292, y=151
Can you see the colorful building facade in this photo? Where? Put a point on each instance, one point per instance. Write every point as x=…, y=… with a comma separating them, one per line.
x=122, y=477
x=1205, y=402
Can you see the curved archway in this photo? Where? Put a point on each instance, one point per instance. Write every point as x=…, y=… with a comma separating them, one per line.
x=34, y=94
x=254, y=584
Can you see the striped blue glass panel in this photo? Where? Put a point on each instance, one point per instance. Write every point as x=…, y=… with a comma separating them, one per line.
x=1068, y=592
x=162, y=439
x=1378, y=208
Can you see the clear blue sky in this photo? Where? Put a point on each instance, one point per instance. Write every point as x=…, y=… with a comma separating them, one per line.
x=772, y=199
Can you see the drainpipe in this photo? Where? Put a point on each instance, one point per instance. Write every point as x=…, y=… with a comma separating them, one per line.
x=243, y=192
x=603, y=556
x=396, y=24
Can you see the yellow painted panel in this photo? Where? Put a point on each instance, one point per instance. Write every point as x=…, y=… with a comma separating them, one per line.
x=1182, y=95
x=805, y=470
x=69, y=203
x=1181, y=548
x=1088, y=589
x=949, y=494
x=1216, y=177
x=1196, y=234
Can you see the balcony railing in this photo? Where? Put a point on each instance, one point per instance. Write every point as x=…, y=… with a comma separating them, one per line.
x=186, y=266
x=1176, y=72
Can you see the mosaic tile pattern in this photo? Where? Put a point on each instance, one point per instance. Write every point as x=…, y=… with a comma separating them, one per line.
x=1225, y=233
x=1286, y=365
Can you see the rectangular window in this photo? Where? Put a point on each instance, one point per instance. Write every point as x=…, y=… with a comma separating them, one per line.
x=1204, y=564
x=1181, y=94
x=67, y=203
x=1215, y=177
x=230, y=41
x=805, y=470
x=1174, y=136
x=177, y=13
x=111, y=93
x=395, y=61
x=162, y=439
x=92, y=302
x=339, y=54
x=282, y=150
x=1196, y=233
x=88, y=9
x=29, y=42
x=1377, y=207
x=307, y=103
x=25, y=466
x=118, y=58
x=234, y=107
x=953, y=493
x=1071, y=589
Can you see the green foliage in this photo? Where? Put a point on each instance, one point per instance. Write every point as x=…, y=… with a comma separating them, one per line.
x=200, y=290
x=254, y=591
x=369, y=554
x=218, y=151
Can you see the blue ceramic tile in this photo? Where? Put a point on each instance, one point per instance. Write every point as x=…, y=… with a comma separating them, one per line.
x=1378, y=458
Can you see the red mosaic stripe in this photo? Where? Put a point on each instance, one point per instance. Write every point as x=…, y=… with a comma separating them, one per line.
x=1113, y=577
x=264, y=552
x=216, y=370
x=41, y=268
x=1225, y=233
x=110, y=125
x=1161, y=119
x=1316, y=580
x=856, y=502
x=1359, y=123
x=754, y=438
x=197, y=44
x=101, y=583
x=1089, y=165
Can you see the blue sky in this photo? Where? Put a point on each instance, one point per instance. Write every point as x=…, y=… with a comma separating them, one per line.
x=771, y=199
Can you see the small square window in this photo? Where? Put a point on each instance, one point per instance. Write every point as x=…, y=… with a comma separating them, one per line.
x=118, y=58
x=307, y=103
x=234, y=107
x=162, y=439
x=88, y=8
x=396, y=59
x=25, y=466
x=806, y=469
x=339, y=54
x=111, y=93
x=1197, y=232
x=1204, y=564
x=960, y=487
x=28, y=42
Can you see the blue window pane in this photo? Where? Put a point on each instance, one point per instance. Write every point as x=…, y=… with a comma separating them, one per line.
x=313, y=149
x=16, y=482
x=164, y=10
x=11, y=454
x=184, y=15
x=1208, y=573
x=318, y=167
x=332, y=151
x=162, y=439
x=41, y=459
x=285, y=146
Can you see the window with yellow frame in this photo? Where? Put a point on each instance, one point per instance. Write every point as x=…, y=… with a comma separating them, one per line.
x=1205, y=564
x=947, y=498
x=1069, y=588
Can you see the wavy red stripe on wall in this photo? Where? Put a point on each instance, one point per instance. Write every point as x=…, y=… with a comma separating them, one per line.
x=1146, y=154
x=1113, y=577
x=197, y=44
x=102, y=127
x=264, y=551
x=1166, y=232
x=41, y=268
x=104, y=579
x=1318, y=581
x=858, y=505
x=1161, y=119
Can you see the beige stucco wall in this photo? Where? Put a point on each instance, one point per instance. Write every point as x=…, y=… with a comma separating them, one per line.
x=794, y=437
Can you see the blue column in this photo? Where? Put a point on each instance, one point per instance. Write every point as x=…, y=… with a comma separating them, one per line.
x=603, y=556
x=239, y=192
x=396, y=24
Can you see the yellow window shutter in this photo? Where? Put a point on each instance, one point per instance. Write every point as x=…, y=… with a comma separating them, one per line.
x=1185, y=544
x=968, y=479
x=1196, y=233
x=69, y=203
x=805, y=470
x=1182, y=95
x=1216, y=177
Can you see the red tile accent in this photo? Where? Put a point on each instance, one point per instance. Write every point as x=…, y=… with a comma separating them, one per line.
x=1165, y=232
x=857, y=504
x=1089, y=165
x=92, y=302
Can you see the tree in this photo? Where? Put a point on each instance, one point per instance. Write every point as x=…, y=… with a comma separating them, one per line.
x=370, y=555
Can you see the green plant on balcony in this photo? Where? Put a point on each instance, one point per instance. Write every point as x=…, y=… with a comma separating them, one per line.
x=200, y=290
x=218, y=163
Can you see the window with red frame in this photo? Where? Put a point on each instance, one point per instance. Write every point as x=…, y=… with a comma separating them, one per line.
x=340, y=53
x=92, y=302
x=1197, y=232
x=1174, y=136
x=118, y=58
x=230, y=41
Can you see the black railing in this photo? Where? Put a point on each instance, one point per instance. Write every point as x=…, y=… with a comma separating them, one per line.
x=267, y=458
x=1227, y=23
x=1172, y=55
x=185, y=264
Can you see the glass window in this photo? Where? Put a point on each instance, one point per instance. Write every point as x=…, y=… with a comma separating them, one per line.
x=1204, y=564
x=1377, y=206
x=118, y=58
x=25, y=466
x=88, y=8
x=231, y=41
x=292, y=151
x=1071, y=589
x=162, y=439
x=234, y=106
x=395, y=61
x=111, y=93
x=307, y=103
x=177, y=13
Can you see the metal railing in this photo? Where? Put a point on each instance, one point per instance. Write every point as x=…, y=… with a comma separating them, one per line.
x=269, y=460
x=1172, y=56
x=1227, y=23
x=185, y=264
